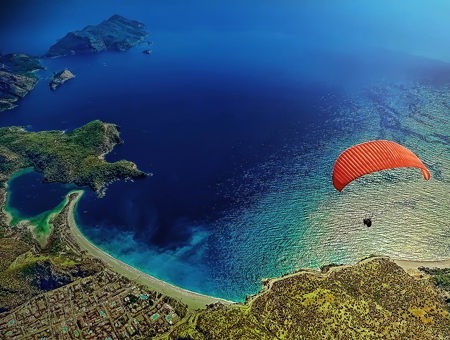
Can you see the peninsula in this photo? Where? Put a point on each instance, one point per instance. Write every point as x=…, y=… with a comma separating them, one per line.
x=17, y=78
x=72, y=157
x=115, y=34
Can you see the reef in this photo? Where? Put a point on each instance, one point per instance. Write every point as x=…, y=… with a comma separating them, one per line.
x=115, y=34
x=72, y=157
x=60, y=78
x=17, y=78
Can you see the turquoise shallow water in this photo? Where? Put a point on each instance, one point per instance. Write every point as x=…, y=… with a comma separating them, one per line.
x=294, y=218
x=240, y=117
x=300, y=222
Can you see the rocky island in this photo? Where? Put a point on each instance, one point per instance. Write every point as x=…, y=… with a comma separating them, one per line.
x=17, y=70
x=115, y=34
x=17, y=78
x=60, y=78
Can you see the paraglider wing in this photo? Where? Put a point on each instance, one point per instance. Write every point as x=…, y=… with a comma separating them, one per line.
x=373, y=156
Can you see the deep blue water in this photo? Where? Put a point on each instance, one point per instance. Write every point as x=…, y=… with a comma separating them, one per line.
x=235, y=102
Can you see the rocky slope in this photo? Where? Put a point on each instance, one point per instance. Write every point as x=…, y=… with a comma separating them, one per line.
x=374, y=299
x=17, y=78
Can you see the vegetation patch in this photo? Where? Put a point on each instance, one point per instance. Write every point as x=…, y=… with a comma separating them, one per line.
x=73, y=157
x=374, y=299
x=441, y=276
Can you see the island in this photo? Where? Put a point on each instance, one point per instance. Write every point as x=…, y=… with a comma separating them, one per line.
x=54, y=283
x=115, y=34
x=60, y=78
x=17, y=70
x=17, y=78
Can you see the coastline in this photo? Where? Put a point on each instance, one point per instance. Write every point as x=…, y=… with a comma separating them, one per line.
x=11, y=216
x=191, y=299
x=8, y=212
x=412, y=267
x=197, y=300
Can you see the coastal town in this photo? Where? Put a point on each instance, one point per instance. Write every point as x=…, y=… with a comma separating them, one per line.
x=69, y=289
x=103, y=306
x=85, y=296
x=257, y=118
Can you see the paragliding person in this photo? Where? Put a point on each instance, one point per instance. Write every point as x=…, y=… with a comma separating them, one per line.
x=373, y=156
x=368, y=222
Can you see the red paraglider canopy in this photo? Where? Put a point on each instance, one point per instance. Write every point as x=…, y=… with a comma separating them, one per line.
x=373, y=156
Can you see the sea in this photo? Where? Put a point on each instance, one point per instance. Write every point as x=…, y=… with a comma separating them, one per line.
x=239, y=113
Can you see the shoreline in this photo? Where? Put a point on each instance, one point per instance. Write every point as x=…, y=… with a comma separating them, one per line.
x=412, y=266
x=12, y=215
x=9, y=212
x=192, y=299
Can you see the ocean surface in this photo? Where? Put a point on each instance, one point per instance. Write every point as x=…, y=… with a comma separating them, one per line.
x=239, y=114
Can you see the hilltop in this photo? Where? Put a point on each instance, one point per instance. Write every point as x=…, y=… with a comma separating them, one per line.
x=373, y=299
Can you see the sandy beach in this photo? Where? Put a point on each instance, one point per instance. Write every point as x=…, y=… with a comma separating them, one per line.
x=412, y=267
x=192, y=299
